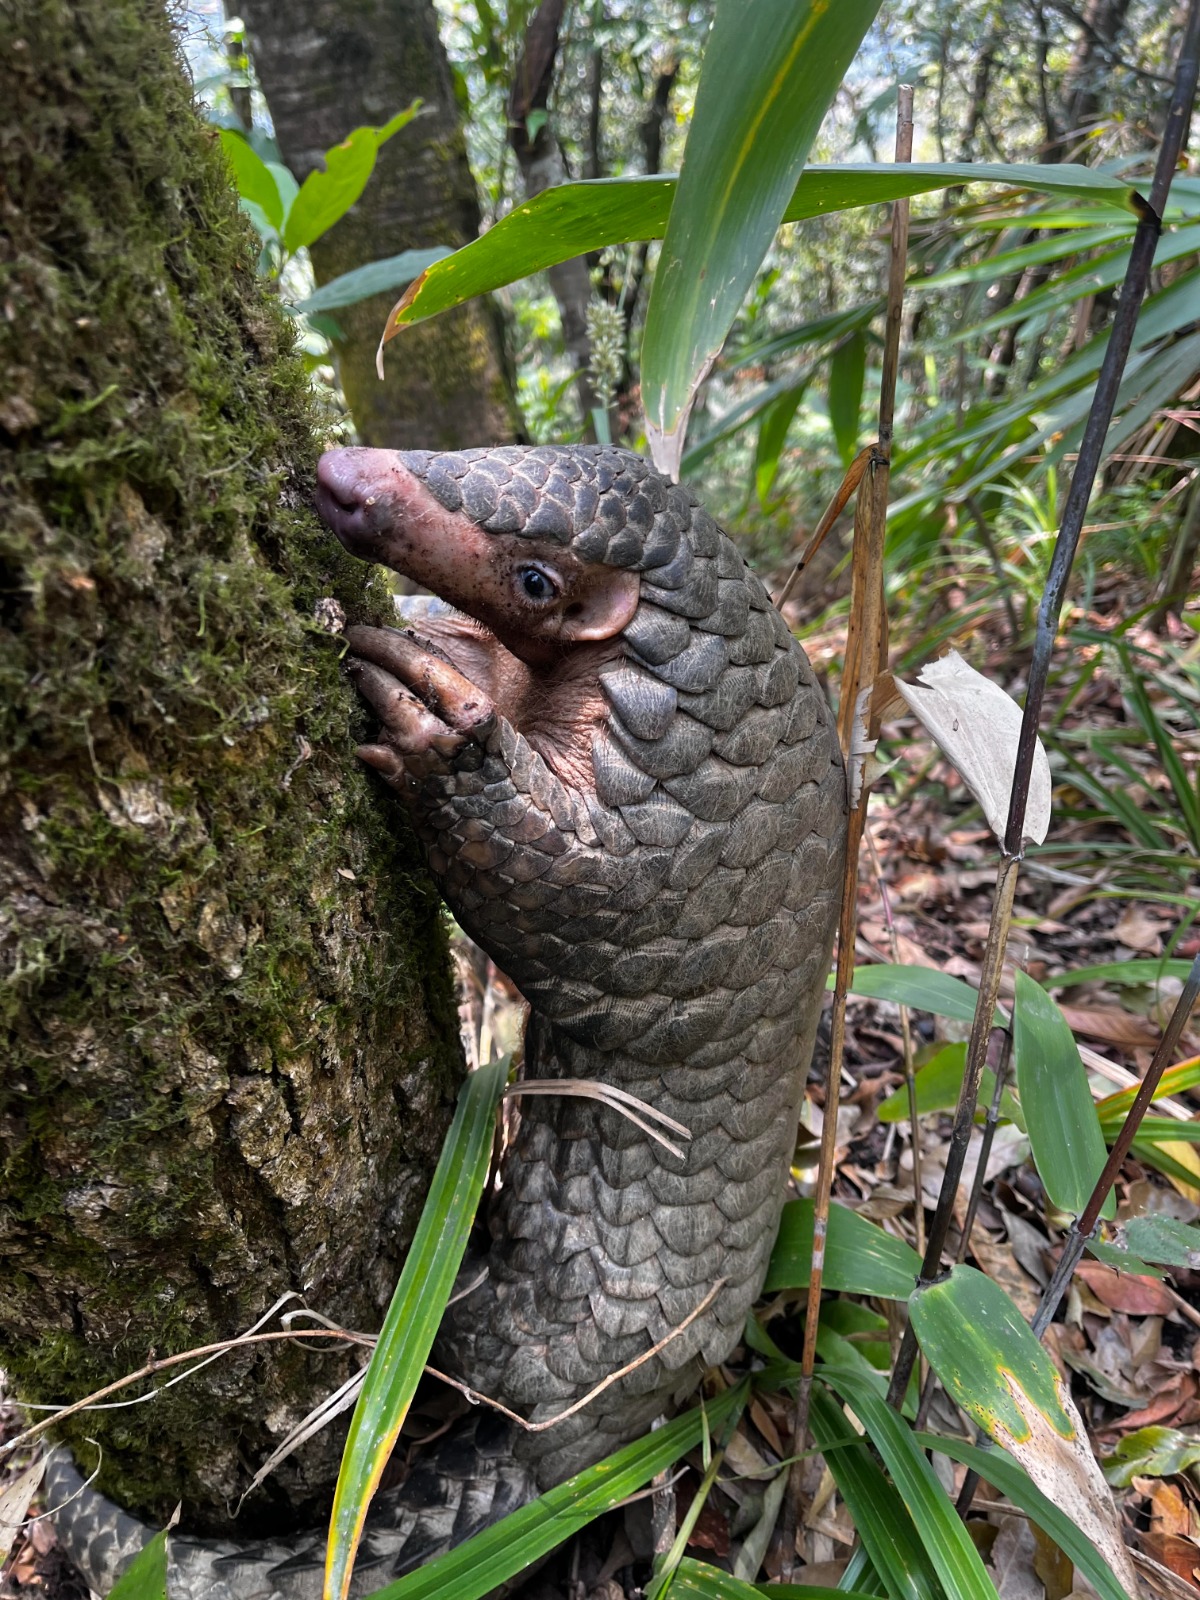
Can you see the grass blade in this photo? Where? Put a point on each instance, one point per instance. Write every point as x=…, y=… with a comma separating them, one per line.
x=413, y=1316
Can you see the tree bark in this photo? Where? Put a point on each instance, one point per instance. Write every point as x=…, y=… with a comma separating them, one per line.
x=326, y=68
x=227, y=1028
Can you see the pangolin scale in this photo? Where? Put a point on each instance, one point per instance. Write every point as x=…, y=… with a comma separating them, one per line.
x=632, y=797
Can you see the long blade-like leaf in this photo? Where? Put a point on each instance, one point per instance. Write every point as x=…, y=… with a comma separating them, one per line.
x=946, y=1541
x=574, y=218
x=993, y=1366
x=1060, y=1115
x=876, y=1509
x=771, y=69
x=499, y=1552
x=860, y=1258
x=994, y=1467
x=413, y=1316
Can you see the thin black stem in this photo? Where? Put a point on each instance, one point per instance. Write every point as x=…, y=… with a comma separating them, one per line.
x=1084, y=1226
x=1091, y=451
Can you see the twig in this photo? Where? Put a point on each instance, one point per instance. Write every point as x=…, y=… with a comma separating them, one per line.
x=605, y=1383
x=850, y=482
x=1091, y=451
x=616, y=1099
x=156, y=1365
x=910, y=1074
x=866, y=649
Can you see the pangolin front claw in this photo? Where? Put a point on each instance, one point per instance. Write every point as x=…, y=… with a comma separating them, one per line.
x=453, y=698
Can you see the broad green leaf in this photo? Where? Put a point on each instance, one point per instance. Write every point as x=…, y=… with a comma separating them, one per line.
x=572, y=219
x=710, y=1583
x=1151, y=1453
x=876, y=1509
x=326, y=196
x=392, y=272
x=1163, y=1239
x=923, y=988
x=860, y=1258
x=951, y=1552
x=938, y=1083
x=1004, y=1474
x=498, y=1553
x=146, y=1577
x=770, y=71
x=1127, y=973
x=253, y=177
x=847, y=373
x=992, y=1366
x=1060, y=1117
x=414, y=1315
x=1121, y=1260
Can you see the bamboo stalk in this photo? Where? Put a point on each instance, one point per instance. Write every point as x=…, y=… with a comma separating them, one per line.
x=866, y=656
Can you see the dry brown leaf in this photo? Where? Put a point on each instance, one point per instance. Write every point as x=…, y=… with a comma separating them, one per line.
x=1139, y=1296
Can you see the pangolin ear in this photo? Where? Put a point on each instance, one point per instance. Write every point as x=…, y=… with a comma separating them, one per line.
x=602, y=605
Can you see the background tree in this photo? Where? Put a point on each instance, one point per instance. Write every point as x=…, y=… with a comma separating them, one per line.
x=326, y=69
x=227, y=1030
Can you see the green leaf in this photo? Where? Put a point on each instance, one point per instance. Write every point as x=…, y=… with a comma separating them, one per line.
x=1121, y=1260
x=860, y=1258
x=1060, y=1116
x=146, y=1577
x=951, y=1552
x=980, y=1346
x=938, y=1083
x=772, y=435
x=710, y=1583
x=572, y=219
x=923, y=988
x=1163, y=1239
x=1151, y=1453
x=392, y=272
x=1128, y=973
x=253, y=178
x=414, y=1315
x=1004, y=1474
x=326, y=196
x=993, y=1367
x=847, y=374
x=769, y=74
x=496, y=1554
x=876, y=1509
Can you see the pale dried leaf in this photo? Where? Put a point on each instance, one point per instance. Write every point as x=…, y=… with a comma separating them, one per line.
x=976, y=727
x=14, y=1504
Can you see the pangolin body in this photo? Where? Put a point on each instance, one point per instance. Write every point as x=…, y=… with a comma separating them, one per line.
x=632, y=797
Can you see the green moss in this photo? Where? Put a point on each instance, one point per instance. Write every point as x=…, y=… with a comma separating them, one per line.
x=203, y=892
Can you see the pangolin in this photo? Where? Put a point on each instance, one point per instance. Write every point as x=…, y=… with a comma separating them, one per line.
x=631, y=794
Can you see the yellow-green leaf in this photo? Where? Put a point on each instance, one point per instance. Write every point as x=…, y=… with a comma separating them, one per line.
x=992, y=1366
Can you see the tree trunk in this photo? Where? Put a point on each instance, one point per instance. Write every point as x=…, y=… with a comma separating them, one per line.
x=227, y=1029
x=326, y=68
x=542, y=165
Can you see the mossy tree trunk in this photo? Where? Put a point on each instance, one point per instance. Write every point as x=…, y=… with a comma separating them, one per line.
x=326, y=67
x=227, y=1033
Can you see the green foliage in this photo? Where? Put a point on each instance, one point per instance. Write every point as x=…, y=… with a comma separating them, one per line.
x=288, y=216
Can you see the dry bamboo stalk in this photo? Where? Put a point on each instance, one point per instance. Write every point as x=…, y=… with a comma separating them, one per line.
x=866, y=657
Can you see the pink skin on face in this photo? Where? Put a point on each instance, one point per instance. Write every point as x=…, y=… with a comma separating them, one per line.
x=538, y=623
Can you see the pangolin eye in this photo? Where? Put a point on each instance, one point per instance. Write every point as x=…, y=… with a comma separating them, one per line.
x=536, y=585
